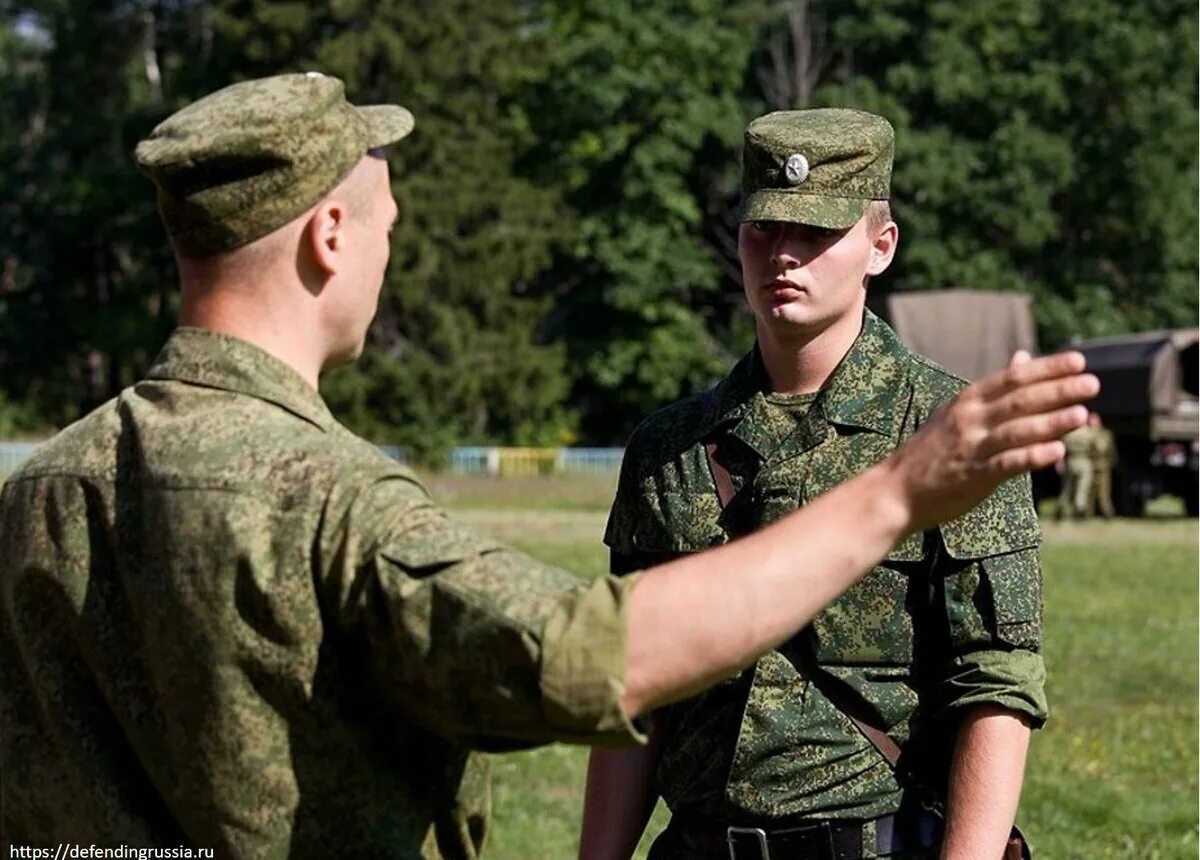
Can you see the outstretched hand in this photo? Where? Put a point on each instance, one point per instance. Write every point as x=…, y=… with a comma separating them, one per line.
x=1007, y=423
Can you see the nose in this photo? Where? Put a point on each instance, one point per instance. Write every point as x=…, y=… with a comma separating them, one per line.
x=783, y=253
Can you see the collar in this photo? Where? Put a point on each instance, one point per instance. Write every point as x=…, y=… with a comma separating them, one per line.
x=215, y=360
x=862, y=391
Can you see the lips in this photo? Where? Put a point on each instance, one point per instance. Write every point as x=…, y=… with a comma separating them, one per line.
x=781, y=288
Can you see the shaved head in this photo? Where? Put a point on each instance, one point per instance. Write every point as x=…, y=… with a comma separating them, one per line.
x=251, y=261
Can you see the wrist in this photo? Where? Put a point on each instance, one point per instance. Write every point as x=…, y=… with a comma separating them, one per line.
x=891, y=504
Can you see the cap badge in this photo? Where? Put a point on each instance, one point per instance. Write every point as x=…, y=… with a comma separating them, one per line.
x=795, y=169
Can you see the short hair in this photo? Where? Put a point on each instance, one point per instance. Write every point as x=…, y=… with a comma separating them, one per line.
x=879, y=212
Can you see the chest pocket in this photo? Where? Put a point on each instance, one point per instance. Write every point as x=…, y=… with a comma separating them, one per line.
x=872, y=623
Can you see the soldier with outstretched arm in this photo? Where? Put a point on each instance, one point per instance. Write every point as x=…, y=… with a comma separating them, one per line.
x=227, y=622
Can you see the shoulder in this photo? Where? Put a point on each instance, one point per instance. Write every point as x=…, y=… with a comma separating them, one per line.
x=1006, y=520
x=85, y=448
x=665, y=434
x=933, y=386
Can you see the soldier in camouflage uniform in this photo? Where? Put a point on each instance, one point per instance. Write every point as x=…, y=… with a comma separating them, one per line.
x=1104, y=458
x=1076, y=470
x=936, y=650
x=227, y=622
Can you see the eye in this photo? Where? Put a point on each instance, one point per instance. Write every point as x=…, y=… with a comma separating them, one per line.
x=762, y=226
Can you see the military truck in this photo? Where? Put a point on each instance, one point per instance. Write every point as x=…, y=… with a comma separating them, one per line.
x=968, y=332
x=1148, y=399
x=1148, y=396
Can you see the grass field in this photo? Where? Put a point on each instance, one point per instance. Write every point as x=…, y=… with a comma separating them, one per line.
x=1113, y=774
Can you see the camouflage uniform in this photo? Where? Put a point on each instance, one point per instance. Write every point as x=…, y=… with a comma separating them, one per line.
x=951, y=619
x=1104, y=458
x=1074, y=499
x=226, y=621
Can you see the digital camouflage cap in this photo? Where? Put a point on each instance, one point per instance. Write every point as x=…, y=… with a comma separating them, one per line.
x=245, y=160
x=818, y=167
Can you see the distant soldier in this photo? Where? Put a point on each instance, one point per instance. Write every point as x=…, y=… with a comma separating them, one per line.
x=1104, y=458
x=1076, y=471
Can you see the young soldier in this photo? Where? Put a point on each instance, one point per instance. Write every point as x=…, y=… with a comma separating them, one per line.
x=226, y=622
x=933, y=657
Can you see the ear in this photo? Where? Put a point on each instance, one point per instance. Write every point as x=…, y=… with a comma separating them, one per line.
x=883, y=248
x=327, y=235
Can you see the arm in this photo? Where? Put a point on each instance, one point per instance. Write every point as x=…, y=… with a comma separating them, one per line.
x=619, y=799
x=476, y=641
x=985, y=783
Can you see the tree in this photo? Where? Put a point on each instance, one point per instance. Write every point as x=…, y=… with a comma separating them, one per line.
x=84, y=303
x=1043, y=147
x=640, y=117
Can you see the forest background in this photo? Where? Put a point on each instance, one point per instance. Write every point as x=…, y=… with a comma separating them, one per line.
x=565, y=257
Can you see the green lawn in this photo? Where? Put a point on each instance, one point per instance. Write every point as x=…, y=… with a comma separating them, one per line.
x=1114, y=773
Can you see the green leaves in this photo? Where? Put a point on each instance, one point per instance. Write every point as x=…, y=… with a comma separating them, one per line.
x=565, y=260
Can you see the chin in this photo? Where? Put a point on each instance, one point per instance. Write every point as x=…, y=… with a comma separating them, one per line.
x=793, y=315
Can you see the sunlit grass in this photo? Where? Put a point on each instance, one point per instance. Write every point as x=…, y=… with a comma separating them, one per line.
x=1114, y=773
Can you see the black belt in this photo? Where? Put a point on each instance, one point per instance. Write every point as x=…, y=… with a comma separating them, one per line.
x=828, y=839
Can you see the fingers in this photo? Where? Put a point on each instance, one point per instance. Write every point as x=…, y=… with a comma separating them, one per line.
x=1020, y=372
x=1041, y=397
x=1031, y=430
x=1015, y=461
x=1020, y=357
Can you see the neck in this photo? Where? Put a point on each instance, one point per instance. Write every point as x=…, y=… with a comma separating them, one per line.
x=248, y=316
x=801, y=363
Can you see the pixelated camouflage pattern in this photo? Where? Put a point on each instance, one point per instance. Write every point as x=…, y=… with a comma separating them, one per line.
x=951, y=617
x=228, y=622
x=849, y=158
x=247, y=159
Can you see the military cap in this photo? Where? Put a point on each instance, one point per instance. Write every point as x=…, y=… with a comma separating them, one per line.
x=819, y=167
x=243, y=161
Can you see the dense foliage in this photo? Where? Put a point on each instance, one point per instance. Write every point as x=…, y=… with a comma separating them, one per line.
x=565, y=256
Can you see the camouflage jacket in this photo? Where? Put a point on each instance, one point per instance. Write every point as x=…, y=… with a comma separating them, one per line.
x=1103, y=447
x=226, y=621
x=950, y=619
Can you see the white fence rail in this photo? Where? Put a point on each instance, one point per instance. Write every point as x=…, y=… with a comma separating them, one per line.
x=463, y=461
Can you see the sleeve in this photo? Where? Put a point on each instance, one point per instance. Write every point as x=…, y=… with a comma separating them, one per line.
x=624, y=555
x=987, y=587
x=470, y=638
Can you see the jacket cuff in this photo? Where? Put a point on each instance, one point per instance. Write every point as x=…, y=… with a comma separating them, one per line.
x=1015, y=680
x=583, y=665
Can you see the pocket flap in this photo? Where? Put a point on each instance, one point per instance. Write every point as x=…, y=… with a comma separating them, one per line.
x=436, y=544
x=1015, y=582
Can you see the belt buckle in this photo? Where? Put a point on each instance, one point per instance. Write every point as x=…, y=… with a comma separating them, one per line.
x=732, y=832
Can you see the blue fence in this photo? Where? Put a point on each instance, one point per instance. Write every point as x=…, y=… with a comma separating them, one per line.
x=463, y=461
x=12, y=454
